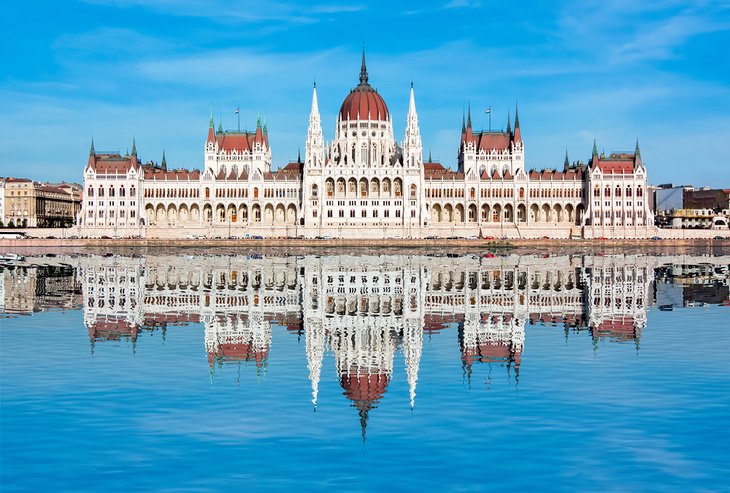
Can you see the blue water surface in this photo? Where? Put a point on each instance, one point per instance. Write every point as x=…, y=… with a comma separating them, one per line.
x=579, y=413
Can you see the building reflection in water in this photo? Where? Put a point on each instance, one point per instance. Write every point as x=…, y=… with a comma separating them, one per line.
x=364, y=309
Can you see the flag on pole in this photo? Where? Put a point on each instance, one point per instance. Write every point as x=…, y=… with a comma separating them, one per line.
x=238, y=110
x=488, y=110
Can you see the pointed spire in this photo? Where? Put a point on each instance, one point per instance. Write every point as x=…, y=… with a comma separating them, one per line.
x=469, y=134
x=220, y=124
x=315, y=103
x=637, y=152
x=259, y=137
x=509, y=124
x=429, y=155
x=412, y=103
x=595, y=148
x=518, y=133
x=92, y=152
x=134, y=147
x=212, y=124
x=566, y=163
x=363, y=68
x=164, y=161
x=363, y=423
x=463, y=122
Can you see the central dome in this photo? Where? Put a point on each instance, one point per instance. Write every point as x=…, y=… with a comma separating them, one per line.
x=364, y=102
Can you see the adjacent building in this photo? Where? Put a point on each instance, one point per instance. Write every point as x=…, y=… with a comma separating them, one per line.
x=366, y=184
x=44, y=205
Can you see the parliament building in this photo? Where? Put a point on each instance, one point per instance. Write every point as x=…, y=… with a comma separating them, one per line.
x=365, y=184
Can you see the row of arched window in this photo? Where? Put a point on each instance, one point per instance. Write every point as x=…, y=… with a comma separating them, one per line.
x=111, y=191
x=172, y=193
x=617, y=191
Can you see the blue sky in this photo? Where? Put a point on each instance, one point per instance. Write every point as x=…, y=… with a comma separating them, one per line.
x=153, y=69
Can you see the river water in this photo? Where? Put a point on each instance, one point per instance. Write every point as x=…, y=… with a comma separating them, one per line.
x=193, y=372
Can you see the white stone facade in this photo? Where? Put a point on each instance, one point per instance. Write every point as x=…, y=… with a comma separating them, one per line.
x=365, y=184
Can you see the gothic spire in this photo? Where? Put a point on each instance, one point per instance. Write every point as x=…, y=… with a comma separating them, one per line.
x=212, y=124
x=509, y=124
x=518, y=133
x=134, y=147
x=363, y=69
x=92, y=152
x=637, y=151
x=412, y=102
x=468, y=118
x=315, y=103
x=595, y=148
x=566, y=163
x=164, y=161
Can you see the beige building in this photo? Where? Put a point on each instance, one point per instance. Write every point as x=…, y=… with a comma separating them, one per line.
x=45, y=205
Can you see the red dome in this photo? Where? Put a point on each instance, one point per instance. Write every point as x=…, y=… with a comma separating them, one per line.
x=364, y=102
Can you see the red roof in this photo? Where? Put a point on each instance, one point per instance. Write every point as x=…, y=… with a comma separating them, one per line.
x=364, y=103
x=434, y=167
x=238, y=352
x=616, y=167
x=181, y=174
x=238, y=141
x=364, y=387
x=110, y=164
x=621, y=163
x=486, y=141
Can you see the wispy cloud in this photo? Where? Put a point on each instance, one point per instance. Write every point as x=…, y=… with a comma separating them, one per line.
x=458, y=4
x=254, y=11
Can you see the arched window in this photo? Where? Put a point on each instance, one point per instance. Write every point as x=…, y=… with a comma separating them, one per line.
x=413, y=192
x=91, y=192
x=618, y=191
x=314, y=191
x=522, y=193
x=207, y=193
x=472, y=193
x=101, y=191
x=639, y=192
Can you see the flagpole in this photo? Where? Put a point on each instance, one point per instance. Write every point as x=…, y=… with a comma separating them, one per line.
x=238, y=114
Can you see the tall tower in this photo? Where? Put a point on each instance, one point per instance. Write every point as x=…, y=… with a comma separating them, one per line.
x=412, y=145
x=314, y=148
x=312, y=172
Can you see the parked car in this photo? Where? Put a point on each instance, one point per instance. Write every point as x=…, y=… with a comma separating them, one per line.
x=490, y=238
x=258, y=237
x=718, y=237
x=656, y=238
